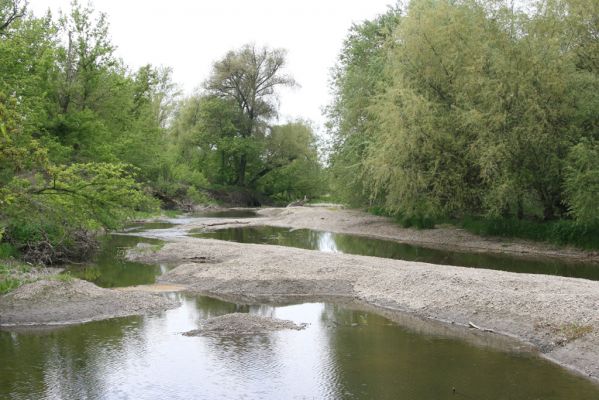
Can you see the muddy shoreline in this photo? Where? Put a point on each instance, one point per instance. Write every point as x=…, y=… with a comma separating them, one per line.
x=555, y=315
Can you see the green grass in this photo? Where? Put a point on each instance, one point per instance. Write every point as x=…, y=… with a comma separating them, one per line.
x=562, y=232
x=8, y=284
x=11, y=266
x=12, y=275
x=64, y=277
x=7, y=251
x=8, y=281
x=406, y=221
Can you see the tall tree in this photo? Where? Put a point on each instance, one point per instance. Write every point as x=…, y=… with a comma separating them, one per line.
x=10, y=11
x=250, y=76
x=357, y=80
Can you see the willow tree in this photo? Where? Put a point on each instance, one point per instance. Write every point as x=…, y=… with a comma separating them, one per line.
x=250, y=77
x=357, y=80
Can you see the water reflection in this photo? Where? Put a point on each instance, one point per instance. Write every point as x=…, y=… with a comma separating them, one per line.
x=343, y=354
x=110, y=268
x=352, y=244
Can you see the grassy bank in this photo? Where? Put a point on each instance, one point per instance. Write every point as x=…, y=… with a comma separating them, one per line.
x=14, y=274
x=559, y=232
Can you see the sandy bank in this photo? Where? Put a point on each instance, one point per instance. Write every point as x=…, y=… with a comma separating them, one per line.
x=53, y=302
x=555, y=314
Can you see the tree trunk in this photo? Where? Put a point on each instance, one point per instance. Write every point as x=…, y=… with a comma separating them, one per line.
x=520, y=211
x=221, y=173
x=241, y=170
x=548, y=212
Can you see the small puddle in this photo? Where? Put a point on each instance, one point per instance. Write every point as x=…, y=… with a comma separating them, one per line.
x=353, y=244
x=342, y=354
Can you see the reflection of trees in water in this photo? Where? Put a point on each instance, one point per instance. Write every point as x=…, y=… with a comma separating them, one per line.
x=352, y=244
x=379, y=360
x=67, y=363
x=208, y=307
x=111, y=269
x=389, y=249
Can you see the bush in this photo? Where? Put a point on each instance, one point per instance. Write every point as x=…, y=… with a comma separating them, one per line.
x=7, y=250
x=55, y=218
x=8, y=284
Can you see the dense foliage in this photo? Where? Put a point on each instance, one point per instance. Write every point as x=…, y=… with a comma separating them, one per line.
x=456, y=108
x=85, y=142
x=79, y=133
x=225, y=131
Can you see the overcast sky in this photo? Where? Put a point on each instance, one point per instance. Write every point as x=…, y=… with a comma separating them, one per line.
x=190, y=35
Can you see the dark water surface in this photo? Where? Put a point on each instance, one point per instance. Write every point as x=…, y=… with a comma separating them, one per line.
x=353, y=244
x=343, y=354
x=111, y=269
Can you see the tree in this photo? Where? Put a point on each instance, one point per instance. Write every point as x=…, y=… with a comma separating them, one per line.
x=582, y=182
x=10, y=11
x=471, y=107
x=88, y=55
x=291, y=169
x=250, y=77
x=50, y=212
x=359, y=77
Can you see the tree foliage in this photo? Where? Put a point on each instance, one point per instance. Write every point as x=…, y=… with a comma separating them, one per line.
x=470, y=107
x=79, y=133
x=249, y=78
x=227, y=131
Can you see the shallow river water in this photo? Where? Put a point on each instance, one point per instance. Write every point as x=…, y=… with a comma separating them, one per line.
x=343, y=353
x=353, y=244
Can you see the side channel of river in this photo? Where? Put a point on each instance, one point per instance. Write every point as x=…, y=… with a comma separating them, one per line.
x=360, y=245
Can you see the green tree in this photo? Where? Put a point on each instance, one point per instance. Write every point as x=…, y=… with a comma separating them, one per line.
x=250, y=77
x=10, y=11
x=357, y=80
x=582, y=182
x=291, y=169
x=470, y=107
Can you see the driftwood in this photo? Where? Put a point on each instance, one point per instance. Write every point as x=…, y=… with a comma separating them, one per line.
x=472, y=325
x=298, y=203
x=228, y=223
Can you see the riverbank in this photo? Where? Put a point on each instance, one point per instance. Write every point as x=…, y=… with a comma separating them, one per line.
x=553, y=314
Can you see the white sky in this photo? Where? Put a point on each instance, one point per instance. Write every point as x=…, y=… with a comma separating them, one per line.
x=190, y=35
